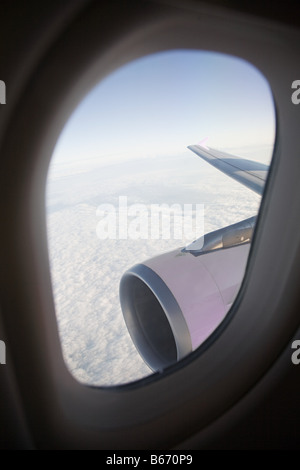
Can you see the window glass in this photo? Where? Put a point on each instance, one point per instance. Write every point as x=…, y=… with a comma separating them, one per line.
x=123, y=188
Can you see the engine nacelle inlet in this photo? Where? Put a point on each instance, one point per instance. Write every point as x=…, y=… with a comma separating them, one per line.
x=173, y=302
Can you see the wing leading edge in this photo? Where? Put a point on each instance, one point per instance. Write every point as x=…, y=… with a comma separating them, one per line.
x=247, y=172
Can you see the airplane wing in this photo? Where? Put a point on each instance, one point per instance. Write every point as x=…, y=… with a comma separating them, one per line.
x=154, y=295
x=247, y=172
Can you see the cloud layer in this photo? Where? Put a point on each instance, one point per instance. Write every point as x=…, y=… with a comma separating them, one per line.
x=86, y=271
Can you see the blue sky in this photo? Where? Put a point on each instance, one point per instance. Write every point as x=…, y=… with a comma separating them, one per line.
x=163, y=102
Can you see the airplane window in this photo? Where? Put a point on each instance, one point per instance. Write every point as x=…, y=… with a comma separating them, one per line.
x=152, y=194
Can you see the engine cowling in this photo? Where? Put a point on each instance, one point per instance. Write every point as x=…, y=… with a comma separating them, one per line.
x=173, y=302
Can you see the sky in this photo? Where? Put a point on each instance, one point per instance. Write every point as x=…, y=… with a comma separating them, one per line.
x=129, y=137
x=166, y=101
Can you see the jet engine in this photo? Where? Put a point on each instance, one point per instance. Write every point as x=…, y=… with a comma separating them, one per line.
x=173, y=302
